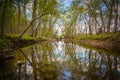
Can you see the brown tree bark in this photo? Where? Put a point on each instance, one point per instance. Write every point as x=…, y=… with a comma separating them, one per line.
x=19, y=13
x=34, y=16
x=109, y=19
x=109, y=6
x=3, y=19
x=116, y=16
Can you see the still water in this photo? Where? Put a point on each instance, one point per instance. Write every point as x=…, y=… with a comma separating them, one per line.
x=60, y=61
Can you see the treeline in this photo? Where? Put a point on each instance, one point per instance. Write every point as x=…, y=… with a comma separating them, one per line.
x=92, y=17
x=38, y=17
x=34, y=17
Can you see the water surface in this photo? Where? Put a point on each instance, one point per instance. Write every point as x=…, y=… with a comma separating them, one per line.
x=60, y=61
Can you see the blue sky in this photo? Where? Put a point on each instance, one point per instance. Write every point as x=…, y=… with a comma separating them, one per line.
x=66, y=3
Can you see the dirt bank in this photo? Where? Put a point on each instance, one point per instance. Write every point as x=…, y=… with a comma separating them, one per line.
x=98, y=44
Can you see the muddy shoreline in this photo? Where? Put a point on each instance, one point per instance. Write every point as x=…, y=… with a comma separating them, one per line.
x=111, y=47
x=100, y=44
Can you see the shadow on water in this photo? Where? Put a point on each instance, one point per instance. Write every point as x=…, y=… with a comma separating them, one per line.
x=60, y=61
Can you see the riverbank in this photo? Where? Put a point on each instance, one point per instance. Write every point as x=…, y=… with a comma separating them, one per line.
x=101, y=40
x=10, y=43
x=13, y=41
x=106, y=41
x=110, y=47
x=109, y=37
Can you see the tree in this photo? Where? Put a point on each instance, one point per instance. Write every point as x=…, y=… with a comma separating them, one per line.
x=42, y=8
x=3, y=17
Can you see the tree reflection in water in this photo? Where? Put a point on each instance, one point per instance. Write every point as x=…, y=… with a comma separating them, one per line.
x=61, y=61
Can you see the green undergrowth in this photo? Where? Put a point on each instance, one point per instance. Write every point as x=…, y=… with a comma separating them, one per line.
x=9, y=40
x=25, y=37
x=104, y=36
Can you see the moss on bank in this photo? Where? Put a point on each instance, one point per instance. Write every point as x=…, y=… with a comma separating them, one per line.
x=13, y=41
x=109, y=42
x=25, y=37
x=104, y=37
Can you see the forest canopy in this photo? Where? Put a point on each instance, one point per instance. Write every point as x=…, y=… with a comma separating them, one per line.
x=50, y=18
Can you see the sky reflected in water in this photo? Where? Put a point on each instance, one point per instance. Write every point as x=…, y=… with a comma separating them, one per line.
x=60, y=61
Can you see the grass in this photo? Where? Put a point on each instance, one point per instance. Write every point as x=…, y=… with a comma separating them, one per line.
x=104, y=36
x=25, y=37
x=9, y=40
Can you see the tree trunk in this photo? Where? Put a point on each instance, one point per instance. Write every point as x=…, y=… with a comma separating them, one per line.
x=102, y=20
x=32, y=23
x=116, y=16
x=90, y=30
x=34, y=16
x=109, y=19
x=19, y=15
x=3, y=19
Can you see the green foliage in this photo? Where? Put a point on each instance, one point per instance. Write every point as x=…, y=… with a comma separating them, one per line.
x=25, y=37
x=104, y=36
